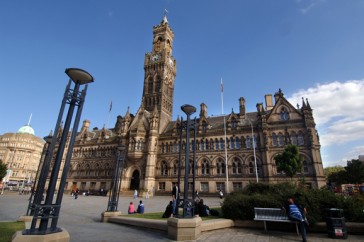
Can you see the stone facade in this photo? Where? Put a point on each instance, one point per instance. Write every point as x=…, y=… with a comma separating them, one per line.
x=151, y=139
x=21, y=152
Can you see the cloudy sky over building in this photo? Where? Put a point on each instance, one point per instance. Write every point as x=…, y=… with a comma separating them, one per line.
x=309, y=48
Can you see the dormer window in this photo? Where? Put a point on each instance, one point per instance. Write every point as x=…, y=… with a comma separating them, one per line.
x=204, y=126
x=284, y=114
x=234, y=123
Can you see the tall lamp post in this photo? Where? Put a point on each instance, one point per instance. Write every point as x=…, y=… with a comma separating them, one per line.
x=187, y=205
x=48, y=212
x=115, y=191
x=255, y=158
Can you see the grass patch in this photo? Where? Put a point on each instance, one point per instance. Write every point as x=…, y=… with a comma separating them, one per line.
x=159, y=215
x=7, y=229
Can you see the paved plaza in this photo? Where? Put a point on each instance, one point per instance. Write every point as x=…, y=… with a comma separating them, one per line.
x=81, y=218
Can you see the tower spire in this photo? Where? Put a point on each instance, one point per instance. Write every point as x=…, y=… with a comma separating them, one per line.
x=165, y=16
x=30, y=118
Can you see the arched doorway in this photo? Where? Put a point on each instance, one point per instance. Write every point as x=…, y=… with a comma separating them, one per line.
x=134, y=183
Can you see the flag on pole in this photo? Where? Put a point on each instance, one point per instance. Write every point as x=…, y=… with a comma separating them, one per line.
x=222, y=86
x=110, y=106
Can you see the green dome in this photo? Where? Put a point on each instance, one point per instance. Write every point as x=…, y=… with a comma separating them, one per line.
x=26, y=129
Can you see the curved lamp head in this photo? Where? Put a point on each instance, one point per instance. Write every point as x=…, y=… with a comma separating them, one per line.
x=188, y=109
x=79, y=76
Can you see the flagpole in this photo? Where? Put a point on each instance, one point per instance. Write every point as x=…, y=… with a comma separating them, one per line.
x=108, y=118
x=226, y=157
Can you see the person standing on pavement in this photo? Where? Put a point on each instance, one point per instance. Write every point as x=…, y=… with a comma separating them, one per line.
x=175, y=192
x=221, y=194
x=135, y=193
x=147, y=194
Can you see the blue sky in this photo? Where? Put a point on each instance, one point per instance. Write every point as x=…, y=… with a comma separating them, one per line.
x=308, y=48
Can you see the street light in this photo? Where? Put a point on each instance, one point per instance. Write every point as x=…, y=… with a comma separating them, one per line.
x=49, y=210
x=115, y=191
x=255, y=158
x=188, y=110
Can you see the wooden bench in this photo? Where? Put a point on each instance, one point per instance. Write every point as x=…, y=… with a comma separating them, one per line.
x=272, y=215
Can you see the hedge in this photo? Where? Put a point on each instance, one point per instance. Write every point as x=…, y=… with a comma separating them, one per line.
x=240, y=205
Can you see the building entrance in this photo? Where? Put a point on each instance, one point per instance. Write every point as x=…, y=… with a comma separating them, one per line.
x=134, y=183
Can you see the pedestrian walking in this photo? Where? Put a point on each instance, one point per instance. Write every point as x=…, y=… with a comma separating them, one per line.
x=135, y=193
x=221, y=194
x=147, y=194
x=76, y=193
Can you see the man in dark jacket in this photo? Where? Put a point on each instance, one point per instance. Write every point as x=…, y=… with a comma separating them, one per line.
x=175, y=193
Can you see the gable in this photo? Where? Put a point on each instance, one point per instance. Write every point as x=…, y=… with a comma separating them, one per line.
x=283, y=111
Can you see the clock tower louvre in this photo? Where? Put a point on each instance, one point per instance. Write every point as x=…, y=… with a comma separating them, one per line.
x=159, y=75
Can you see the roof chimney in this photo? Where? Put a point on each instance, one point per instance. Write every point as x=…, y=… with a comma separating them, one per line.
x=268, y=102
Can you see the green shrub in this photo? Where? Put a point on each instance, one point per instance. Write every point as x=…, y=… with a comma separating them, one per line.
x=240, y=205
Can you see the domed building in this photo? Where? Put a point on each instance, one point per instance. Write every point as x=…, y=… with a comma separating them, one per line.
x=21, y=152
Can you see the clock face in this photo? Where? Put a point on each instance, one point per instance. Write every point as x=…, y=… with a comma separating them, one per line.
x=155, y=58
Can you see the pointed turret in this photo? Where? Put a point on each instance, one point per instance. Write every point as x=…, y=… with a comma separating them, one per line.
x=303, y=104
x=308, y=105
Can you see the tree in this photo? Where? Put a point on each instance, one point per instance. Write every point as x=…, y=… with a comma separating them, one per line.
x=333, y=169
x=3, y=169
x=289, y=161
x=338, y=177
x=355, y=171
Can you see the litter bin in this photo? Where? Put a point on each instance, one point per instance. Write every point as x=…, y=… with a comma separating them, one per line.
x=335, y=222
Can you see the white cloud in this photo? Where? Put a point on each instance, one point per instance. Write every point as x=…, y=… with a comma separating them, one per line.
x=339, y=114
x=353, y=153
x=311, y=4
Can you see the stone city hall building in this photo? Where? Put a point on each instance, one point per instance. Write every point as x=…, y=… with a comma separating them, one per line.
x=151, y=139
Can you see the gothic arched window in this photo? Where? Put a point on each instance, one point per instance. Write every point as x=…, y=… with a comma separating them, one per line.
x=234, y=123
x=164, y=168
x=191, y=167
x=275, y=139
x=220, y=167
x=205, y=167
x=251, y=167
x=158, y=85
x=280, y=139
x=284, y=115
x=237, y=143
x=175, y=168
x=279, y=171
x=222, y=144
x=293, y=138
x=300, y=138
x=217, y=144
x=305, y=167
x=150, y=86
x=162, y=148
x=237, y=167
x=232, y=143
x=248, y=142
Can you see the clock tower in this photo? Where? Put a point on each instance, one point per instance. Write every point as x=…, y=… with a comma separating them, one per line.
x=159, y=75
